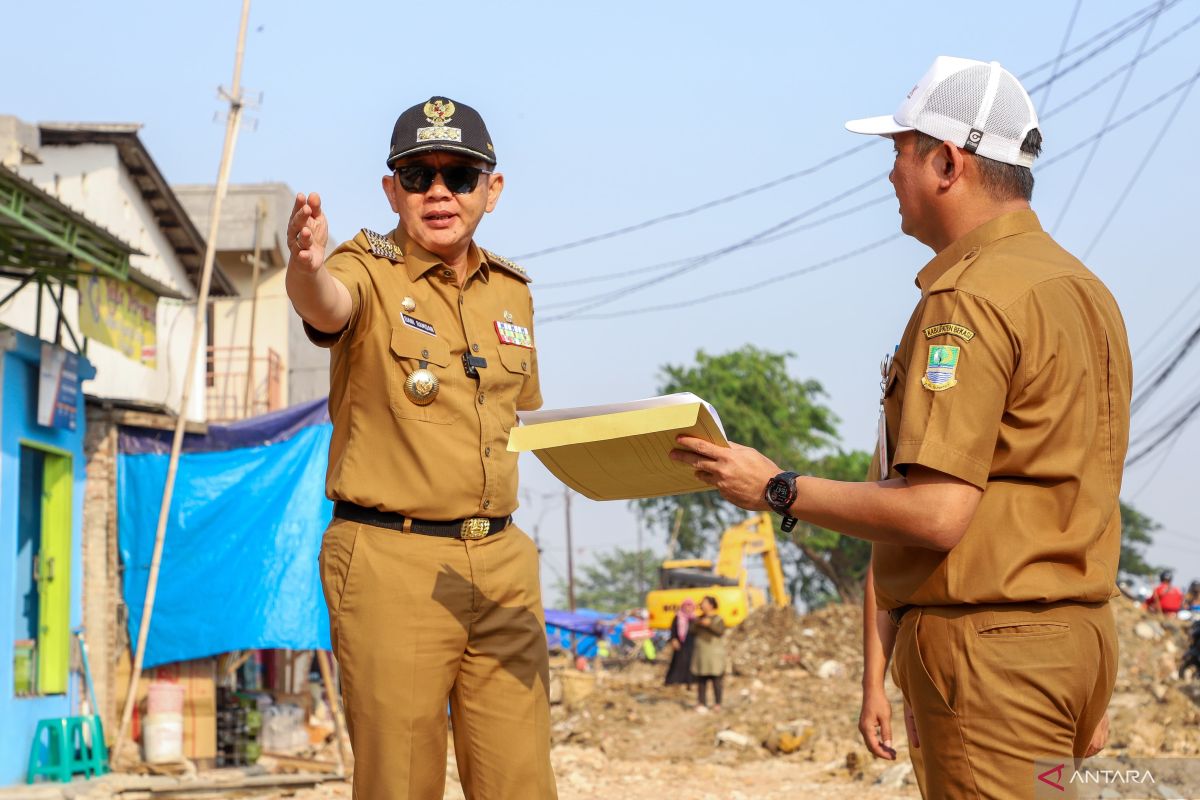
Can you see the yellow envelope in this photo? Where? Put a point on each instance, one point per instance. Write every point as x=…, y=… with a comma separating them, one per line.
x=621, y=451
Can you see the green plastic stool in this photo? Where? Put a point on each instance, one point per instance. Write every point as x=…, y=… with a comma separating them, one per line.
x=66, y=751
x=91, y=760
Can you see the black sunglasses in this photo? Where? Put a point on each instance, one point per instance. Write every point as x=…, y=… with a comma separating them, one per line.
x=459, y=179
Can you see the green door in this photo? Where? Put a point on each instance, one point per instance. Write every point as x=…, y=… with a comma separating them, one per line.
x=54, y=576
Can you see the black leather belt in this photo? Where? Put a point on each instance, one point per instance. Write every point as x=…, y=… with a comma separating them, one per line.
x=473, y=528
x=897, y=614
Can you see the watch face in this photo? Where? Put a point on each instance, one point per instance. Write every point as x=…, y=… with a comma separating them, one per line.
x=778, y=490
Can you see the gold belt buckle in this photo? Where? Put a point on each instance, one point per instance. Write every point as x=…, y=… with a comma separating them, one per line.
x=475, y=528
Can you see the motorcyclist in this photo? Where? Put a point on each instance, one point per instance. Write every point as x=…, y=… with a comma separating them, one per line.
x=1166, y=597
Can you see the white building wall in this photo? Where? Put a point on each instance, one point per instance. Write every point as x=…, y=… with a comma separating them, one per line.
x=91, y=179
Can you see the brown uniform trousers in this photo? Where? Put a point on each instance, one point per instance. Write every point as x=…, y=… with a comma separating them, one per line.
x=993, y=687
x=417, y=618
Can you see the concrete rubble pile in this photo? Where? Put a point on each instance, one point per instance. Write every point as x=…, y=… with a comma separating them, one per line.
x=793, y=693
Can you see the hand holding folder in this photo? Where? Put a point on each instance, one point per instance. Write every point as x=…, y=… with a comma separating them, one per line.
x=620, y=451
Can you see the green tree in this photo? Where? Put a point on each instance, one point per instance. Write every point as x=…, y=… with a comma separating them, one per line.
x=764, y=407
x=617, y=581
x=1136, y=535
x=822, y=565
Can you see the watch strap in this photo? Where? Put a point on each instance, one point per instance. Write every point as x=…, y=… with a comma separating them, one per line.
x=789, y=478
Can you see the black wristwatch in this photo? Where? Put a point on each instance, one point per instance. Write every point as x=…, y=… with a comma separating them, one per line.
x=780, y=494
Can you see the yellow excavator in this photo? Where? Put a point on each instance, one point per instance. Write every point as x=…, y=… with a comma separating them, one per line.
x=727, y=582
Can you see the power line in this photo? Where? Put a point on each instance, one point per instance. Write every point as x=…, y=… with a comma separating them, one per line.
x=1141, y=168
x=1132, y=115
x=1063, y=47
x=1053, y=63
x=1115, y=40
x=1161, y=373
x=625, y=291
x=1166, y=456
x=1177, y=428
x=1134, y=22
x=883, y=198
x=772, y=238
x=710, y=256
x=1167, y=320
x=687, y=212
x=1116, y=73
x=1112, y=110
x=773, y=280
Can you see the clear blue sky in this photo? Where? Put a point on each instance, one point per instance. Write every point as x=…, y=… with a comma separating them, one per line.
x=605, y=115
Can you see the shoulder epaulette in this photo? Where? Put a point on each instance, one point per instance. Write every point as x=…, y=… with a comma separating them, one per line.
x=382, y=246
x=510, y=266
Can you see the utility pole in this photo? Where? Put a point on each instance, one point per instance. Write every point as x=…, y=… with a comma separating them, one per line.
x=260, y=216
x=641, y=567
x=674, y=542
x=570, y=553
x=231, y=130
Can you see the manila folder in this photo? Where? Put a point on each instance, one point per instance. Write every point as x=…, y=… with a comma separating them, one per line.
x=620, y=454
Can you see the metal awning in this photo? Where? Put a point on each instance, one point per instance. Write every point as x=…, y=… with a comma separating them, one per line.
x=41, y=234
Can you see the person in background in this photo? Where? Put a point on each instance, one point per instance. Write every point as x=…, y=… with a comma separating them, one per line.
x=708, y=654
x=682, y=643
x=1192, y=600
x=1166, y=597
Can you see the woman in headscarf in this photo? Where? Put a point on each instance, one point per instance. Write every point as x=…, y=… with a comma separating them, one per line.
x=708, y=656
x=680, y=670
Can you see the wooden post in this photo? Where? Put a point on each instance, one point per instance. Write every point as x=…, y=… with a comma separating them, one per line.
x=210, y=253
x=260, y=215
x=335, y=708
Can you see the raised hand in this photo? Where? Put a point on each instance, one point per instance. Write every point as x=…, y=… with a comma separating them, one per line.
x=308, y=233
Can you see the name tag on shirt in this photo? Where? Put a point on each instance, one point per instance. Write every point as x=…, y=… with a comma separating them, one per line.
x=416, y=324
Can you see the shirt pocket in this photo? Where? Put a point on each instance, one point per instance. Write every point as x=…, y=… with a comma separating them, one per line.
x=408, y=349
x=516, y=368
x=517, y=360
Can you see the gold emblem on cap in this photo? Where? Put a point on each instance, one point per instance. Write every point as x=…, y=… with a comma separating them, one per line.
x=508, y=317
x=408, y=304
x=439, y=111
x=422, y=387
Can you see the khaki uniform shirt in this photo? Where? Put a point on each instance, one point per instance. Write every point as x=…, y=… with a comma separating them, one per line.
x=1014, y=374
x=447, y=460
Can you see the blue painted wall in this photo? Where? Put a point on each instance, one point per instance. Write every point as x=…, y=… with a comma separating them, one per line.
x=18, y=423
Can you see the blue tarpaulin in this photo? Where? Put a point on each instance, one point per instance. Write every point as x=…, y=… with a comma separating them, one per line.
x=585, y=623
x=239, y=566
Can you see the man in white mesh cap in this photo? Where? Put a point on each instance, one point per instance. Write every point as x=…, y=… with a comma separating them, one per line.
x=993, y=500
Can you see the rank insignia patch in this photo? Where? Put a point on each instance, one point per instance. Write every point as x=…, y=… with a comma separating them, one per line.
x=949, y=329
x=382, y=246
x=504, y=263
x=514, y=334
x=939, y=372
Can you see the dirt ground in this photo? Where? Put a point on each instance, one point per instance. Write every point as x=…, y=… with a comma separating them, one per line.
x=789, y=723
x=794, y=686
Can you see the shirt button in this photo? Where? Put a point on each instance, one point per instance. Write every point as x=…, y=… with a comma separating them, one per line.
x=487, y=503
x=481, y=398
x=487, y=451
x=447, y=273
x=474, y=348
x=524, y=365
x=424, y=354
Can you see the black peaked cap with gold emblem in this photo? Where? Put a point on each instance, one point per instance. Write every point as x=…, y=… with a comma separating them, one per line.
x=441, y=124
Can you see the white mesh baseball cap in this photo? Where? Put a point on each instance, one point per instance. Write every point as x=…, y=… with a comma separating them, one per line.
x=978, y=106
